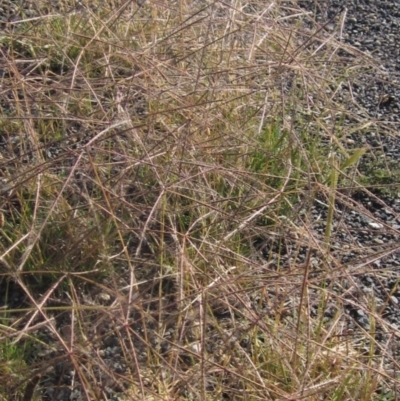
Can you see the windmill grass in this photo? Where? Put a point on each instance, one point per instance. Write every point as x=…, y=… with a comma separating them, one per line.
x=160, y=170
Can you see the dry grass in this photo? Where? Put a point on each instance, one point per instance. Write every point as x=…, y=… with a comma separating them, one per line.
x=160, y=169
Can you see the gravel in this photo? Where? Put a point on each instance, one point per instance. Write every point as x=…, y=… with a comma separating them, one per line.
x=372, y=27
x=370, y=230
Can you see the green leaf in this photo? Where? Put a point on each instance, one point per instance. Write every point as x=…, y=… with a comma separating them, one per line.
x=354, y=158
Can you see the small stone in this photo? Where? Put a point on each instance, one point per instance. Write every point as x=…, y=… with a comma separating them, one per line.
x=360, y=313
x=104, y=297
x=375, y=225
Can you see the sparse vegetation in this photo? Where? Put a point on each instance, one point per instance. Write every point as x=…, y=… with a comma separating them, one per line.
x=161, y=169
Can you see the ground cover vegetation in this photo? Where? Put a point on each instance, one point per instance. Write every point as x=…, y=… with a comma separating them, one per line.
x=175, y=181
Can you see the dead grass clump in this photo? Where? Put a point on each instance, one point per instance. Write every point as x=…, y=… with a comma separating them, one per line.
x=161, y=166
